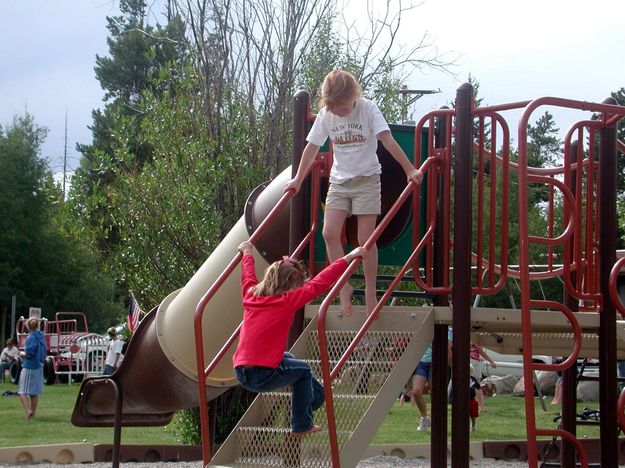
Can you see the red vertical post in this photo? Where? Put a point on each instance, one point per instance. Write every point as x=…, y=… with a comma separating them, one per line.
x=607, y=320
x=461, y=290
x=440, y=361
x=300, y=203
x=569, y=376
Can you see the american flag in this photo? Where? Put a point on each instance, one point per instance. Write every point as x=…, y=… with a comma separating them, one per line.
x=134, y=313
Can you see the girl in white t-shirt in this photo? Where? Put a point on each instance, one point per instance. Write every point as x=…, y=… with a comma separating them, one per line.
x=354, y=125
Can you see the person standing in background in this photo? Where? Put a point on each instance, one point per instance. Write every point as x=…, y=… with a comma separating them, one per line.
x=114, y=352
x=31, y=377
x=421, y=376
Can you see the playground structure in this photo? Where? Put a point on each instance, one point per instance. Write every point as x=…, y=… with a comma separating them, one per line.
x=72, y=351
x=363, y=361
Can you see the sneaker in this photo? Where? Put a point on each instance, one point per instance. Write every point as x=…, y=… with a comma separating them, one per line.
x=424, y=424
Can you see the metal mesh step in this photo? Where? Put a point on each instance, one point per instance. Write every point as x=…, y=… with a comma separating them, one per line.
x=268, y=446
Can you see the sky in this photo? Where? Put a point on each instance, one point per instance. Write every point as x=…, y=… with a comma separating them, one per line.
x=516, y=51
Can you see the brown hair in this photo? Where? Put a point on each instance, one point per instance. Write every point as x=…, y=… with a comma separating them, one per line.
x=339, y=87
x=32, y=323
x=280, y=277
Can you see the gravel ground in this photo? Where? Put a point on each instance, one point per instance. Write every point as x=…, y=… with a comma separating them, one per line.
x=374, y=462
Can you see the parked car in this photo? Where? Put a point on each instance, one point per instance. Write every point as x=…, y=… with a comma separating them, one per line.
x=510, y=364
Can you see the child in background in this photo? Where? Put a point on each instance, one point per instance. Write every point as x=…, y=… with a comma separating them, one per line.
x=354, y=125
x=478, y=370
x=474, y=407
x=422, y=375
x=260, y=361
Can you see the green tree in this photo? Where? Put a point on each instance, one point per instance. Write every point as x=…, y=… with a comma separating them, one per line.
x=620, y=172
x=39, y=263
x=137, y=51
x=543, y=147
x=175, y=209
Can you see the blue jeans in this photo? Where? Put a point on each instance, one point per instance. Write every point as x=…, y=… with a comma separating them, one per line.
x=307, y=393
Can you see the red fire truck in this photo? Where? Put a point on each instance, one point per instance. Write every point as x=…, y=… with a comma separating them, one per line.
x=73, y=351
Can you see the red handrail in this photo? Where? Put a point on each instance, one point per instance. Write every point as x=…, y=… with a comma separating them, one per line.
x=203, y=372
x=327, y=374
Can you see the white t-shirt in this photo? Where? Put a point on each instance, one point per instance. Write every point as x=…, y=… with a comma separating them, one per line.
x=8, y=353
x=353, y=139
x=115, y=347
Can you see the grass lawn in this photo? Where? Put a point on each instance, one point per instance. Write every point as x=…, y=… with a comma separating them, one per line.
x=504, y=421
x=52, y=424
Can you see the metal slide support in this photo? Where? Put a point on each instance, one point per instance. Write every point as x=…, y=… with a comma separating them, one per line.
x=461, y=291
x=117, y=430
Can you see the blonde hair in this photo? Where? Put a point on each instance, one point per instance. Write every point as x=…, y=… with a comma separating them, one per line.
x=280, y=277
x=339, y=87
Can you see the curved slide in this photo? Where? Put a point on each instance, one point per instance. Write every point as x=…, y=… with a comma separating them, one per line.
x=158, y=375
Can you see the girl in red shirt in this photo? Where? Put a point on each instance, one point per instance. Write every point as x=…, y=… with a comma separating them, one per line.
x=260, y=361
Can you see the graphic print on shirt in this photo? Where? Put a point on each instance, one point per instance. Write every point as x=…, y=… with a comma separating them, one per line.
x=348, y=136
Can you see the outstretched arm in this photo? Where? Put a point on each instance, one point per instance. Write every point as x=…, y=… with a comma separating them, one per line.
x=308, y=157
x=485, y=355
x=414, y=175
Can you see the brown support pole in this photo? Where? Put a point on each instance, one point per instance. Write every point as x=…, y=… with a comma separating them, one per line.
x=569, y=376
x=300, y=203
x=440, y=361
x=461, y=290
x=117, y=428
x=607, y=320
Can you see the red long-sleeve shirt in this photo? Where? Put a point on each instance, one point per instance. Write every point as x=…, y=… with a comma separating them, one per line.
x=267, y=319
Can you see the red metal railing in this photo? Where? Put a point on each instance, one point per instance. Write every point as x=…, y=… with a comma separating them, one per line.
x=571, y=240
x=202, y=371
x=616, y=300
x=435, y=163
x=330, y=376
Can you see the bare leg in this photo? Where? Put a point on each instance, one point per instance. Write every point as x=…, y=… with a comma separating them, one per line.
x=332, y=229
x=366, y=226
x=557, y=397
x=26, y=404
x=416, y=394
x=33, y=405
x=479, y=396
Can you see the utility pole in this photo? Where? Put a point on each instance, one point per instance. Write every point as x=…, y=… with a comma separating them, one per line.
x=65, y=156
x=410, y=96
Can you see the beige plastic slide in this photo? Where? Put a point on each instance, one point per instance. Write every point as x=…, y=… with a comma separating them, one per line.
x=158, y=375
